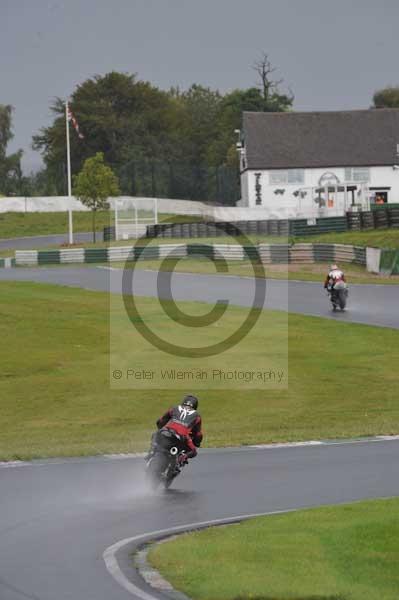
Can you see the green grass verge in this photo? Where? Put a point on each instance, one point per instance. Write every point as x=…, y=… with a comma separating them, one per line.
x=56, y=398
x=302, y=272
x=376, y=238
x=15, y=224
x=347, y=552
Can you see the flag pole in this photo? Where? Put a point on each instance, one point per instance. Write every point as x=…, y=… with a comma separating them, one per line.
x=70, y=224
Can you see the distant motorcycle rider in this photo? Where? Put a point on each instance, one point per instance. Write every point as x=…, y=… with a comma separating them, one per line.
x=185, y=420
x=333, y=277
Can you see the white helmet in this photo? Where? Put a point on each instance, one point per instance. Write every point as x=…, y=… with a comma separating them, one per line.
x=334, y=267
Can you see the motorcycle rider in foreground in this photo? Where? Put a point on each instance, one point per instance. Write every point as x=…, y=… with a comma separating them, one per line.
x=185, y=420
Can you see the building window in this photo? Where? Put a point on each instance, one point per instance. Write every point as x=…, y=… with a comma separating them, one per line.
x=357, y=174
x=286, y=177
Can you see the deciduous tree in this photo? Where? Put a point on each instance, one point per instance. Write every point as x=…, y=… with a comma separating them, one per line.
x=178, y=144
x=387, y=97
x=10, y=165
x=94, y=185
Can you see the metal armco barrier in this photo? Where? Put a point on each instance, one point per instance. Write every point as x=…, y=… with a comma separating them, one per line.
x=266, y=253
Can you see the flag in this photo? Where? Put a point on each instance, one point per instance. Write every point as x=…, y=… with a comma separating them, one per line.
x=75, y=124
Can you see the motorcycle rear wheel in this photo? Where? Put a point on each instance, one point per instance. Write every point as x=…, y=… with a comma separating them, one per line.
x=171, y=475
x=155, y=469
x=342, y=299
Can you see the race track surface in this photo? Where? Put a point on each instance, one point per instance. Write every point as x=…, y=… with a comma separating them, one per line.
x=57, y=517
x=368, y=304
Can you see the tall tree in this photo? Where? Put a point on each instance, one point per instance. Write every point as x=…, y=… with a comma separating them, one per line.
x=197, y=128
x=179, y=144
x=10, y=165
x=273, y=99
x=387, y=97
x=222, y=149
x=120, y=116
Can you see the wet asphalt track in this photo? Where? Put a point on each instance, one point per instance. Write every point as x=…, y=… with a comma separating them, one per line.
x=368, y=304
x=58, y=517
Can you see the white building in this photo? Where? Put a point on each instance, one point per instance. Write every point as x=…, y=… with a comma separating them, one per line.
x=319, y=163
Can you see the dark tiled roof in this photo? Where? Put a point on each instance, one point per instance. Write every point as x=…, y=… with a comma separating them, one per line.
x=321, y=139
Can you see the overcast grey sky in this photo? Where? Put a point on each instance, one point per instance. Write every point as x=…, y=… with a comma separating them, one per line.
x=332, y=54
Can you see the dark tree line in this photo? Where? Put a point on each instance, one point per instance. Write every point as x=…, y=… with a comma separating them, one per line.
x=175, y=143
x=178, y=144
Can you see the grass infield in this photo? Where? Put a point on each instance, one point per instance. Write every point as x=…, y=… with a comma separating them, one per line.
x=347, y=552
x=19, y=224
x=56, y=398
x=375, y=238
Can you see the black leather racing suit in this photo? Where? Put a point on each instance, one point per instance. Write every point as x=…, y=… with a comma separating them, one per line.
x=186, y=422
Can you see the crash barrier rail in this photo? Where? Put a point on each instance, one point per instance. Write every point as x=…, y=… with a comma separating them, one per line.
x=7, y=262
x=266, y=253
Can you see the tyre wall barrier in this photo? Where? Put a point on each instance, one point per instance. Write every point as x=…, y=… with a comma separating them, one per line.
x=376, y=219
x=266, y=253
x=275, y=227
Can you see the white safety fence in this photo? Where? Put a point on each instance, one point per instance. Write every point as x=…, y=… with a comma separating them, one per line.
x=28, y=204
x=167, y=206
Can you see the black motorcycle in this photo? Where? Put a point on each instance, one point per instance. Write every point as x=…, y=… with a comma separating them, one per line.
x=163, y=459
x=339, y=295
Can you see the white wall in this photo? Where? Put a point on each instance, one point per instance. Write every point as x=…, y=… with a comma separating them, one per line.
x=62, y=204
x=386, y=177
x=40, y=204
x=232, y=213
x=165, y=205
x=290, y=206
x=273, y=206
